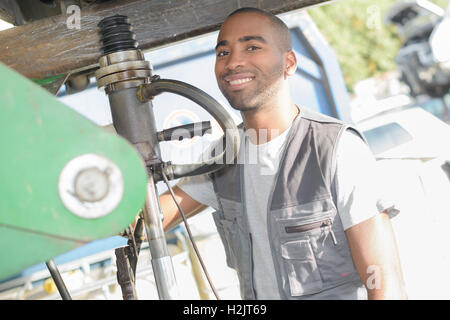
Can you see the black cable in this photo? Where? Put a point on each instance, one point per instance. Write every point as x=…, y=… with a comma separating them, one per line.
x=58, y=280
x=191, y=237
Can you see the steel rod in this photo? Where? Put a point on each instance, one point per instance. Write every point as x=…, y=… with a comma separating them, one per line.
x=54, y=272
x=161, y=260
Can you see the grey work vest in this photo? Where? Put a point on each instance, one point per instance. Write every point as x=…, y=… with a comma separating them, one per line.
x=308, y=245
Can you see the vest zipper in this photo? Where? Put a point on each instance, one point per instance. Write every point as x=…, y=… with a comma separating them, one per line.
x=333, y=236
x=253, y=265
x=245, y=219
x=312, y=226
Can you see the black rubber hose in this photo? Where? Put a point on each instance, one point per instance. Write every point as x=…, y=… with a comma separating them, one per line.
x=117, y=34
x=214, y=108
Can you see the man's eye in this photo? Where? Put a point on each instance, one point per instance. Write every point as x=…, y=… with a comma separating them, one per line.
x=222, y=53
x=253, y=48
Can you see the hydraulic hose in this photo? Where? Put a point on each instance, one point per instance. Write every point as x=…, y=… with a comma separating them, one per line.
x=214, y=108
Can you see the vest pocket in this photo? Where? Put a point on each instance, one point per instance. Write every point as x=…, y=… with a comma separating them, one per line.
x=312, y=226
x=327, y=245
x=301, y=268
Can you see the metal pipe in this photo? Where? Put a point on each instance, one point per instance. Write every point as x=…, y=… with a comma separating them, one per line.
x=132, y=119
x=161, y=259
x=135, y=121
x=54, y=272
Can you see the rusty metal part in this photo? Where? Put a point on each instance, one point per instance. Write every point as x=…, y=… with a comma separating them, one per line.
x=147, y=153
x=124, y=76
x=122, y=66
x=121, y=56
x=123, y=70
x=125, y=275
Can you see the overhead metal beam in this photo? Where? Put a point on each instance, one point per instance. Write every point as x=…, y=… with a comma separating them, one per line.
x=49, y=48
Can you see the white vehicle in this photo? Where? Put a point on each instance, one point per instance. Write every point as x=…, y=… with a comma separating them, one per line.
x=413, y=151
x=407, y=133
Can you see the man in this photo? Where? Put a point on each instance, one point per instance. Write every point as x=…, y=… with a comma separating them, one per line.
x=304, y=220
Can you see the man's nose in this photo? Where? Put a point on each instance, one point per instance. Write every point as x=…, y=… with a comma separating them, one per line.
x=235, y=60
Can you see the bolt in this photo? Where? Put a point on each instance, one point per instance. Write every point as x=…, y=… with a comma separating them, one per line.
x=91, y=185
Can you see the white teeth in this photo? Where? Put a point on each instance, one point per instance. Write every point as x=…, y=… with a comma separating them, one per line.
x=240, y=81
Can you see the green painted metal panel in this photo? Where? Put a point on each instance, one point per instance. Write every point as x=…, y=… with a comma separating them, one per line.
x=39, y=136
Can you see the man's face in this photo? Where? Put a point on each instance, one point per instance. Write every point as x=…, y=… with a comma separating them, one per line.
x=249, y=63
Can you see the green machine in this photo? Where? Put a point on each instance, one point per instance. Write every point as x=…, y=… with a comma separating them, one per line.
x=64, y=180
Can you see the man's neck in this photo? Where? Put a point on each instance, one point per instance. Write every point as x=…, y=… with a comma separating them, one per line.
x=269, y=122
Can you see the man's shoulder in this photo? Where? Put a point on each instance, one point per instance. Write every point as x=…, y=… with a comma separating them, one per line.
x=324, y=127
x=318, y=117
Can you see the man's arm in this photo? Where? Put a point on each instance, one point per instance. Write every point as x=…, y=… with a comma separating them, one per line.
x=375, y=255
x=172, y=216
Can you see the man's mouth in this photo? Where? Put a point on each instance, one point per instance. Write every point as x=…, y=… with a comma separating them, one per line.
x=238, y=81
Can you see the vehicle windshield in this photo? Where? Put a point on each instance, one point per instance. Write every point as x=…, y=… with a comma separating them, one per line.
x=438, y=108
x=386, y=137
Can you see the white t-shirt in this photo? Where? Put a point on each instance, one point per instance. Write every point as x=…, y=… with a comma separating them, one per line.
x=359, y=195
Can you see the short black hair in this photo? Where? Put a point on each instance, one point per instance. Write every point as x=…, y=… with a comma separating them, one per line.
x=281, y=28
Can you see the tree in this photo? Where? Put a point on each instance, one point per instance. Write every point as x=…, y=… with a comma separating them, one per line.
x=365, y=46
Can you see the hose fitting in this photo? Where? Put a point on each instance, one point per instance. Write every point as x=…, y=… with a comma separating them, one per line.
x=122, y=64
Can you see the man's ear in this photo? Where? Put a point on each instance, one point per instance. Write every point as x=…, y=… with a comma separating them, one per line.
x=291, y=63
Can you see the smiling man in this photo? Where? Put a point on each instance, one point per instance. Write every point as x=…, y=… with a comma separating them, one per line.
x=306, y=221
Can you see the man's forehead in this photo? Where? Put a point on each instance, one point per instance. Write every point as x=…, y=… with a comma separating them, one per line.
x=244, y=25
